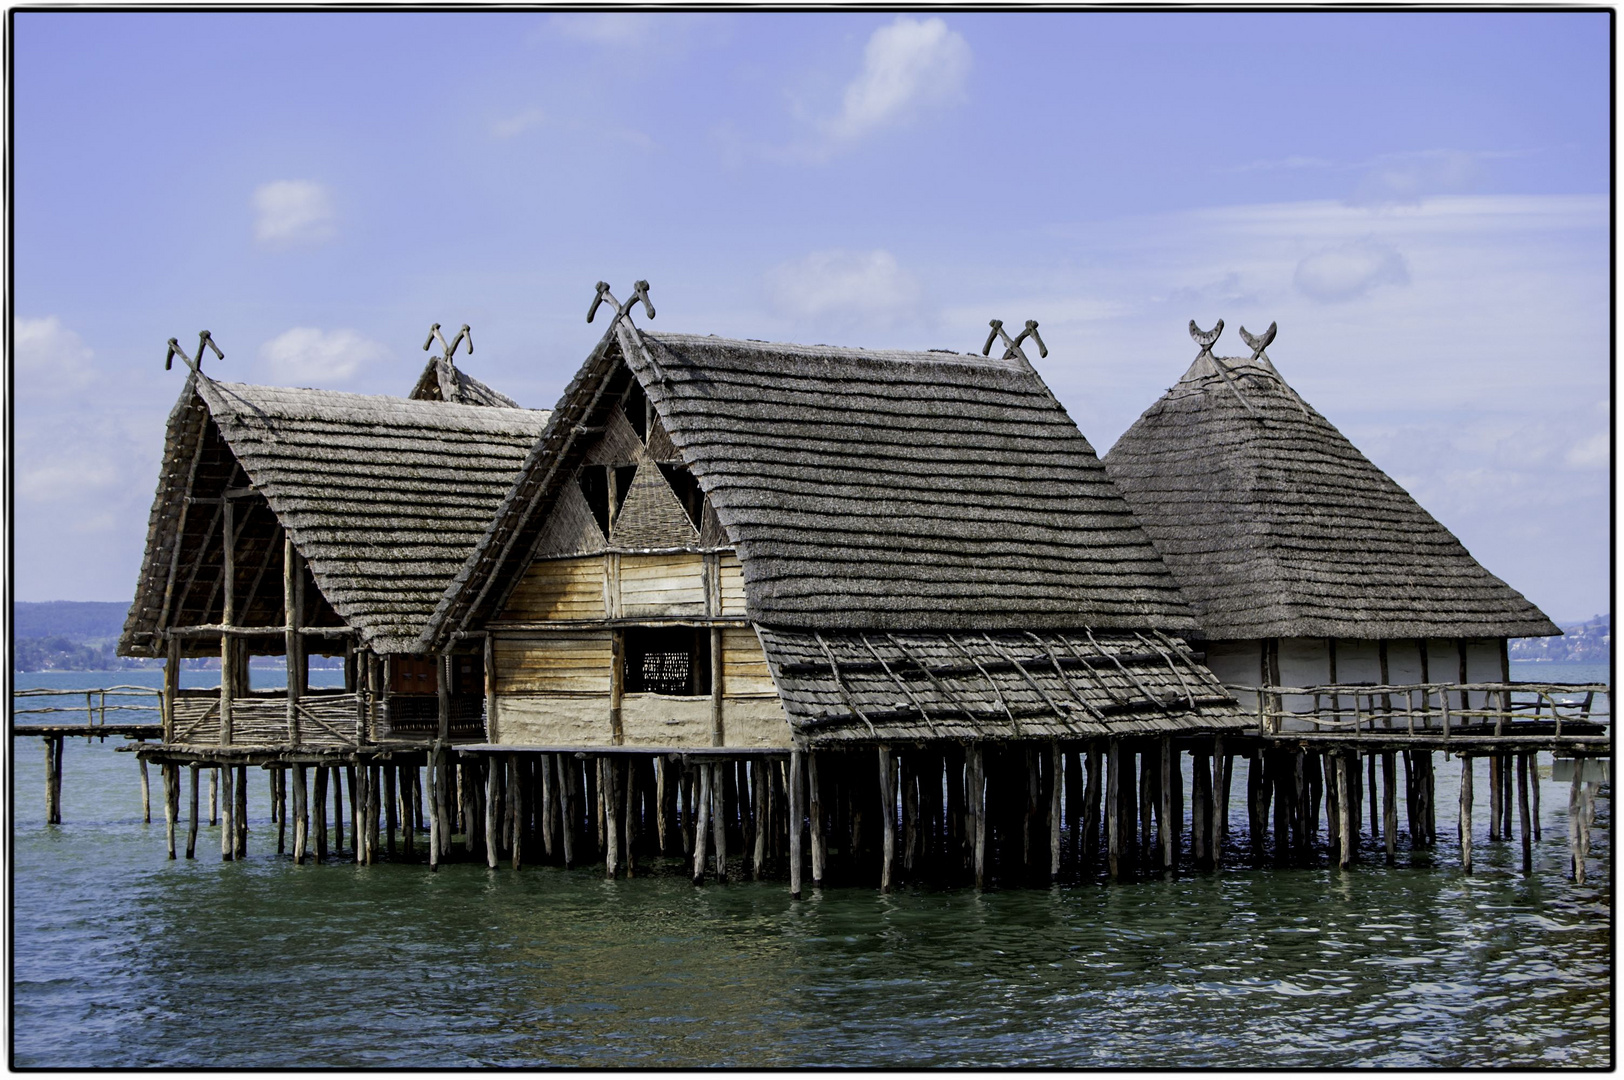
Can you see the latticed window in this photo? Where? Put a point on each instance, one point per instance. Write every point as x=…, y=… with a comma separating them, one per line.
x=668, y=661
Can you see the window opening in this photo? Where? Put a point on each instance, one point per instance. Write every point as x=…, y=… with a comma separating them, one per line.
x=674, y=660
x=635, y=405
x=687, y=491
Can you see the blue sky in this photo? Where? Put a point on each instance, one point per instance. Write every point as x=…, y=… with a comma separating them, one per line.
x=1420, y=201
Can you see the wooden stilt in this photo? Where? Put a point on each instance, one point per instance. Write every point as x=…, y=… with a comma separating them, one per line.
x=171, y=779
x=629, y=831
x=228, y=824
x=320, y=808
x=1056, y=789
x=520, y=801
x=820, y=840
x=374, y=807
x=1522, y=811
x=1390, y=805
x=1466, y=813
x=1533, y=792
x=1150, y=773
x=1256, y=817
x=1089, y=851
x=493, y=832
x=566, y=818
x=391, y=821
x=435, y=767
x=718, y=793
x=301, y=812
x=1220, y=802
x=795, y=823
x=1375, y=805
x=240, y=818
x=888, y=815
x=146, y=795
x=1494, y=797
x=758, y=793
x=1200, y=814
x=1344, y=853
x=908, y=774
x=1113, y=807
x=214, y=797
x=1167, y=827
x=1576, y=846
x=1429, y=800
x=975, y=775
x=609, y=802
x=702, y=822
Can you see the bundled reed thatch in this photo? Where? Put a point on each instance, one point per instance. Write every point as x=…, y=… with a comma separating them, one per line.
x=382, y=496
x=1276, y=526
x=442, y=380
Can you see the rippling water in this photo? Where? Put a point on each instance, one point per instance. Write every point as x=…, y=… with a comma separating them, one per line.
x=122, y=958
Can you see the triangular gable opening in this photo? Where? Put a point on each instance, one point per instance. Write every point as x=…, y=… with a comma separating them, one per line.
x=653, y=516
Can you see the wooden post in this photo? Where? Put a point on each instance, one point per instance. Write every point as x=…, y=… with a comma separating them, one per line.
x=301, y=814
x=1056, y=785
x=1576, y=847
x=759, y=778
x=319, y=812
x=702, y=825
x=1200, y=814
x=1344, y=814
x=1522, y=810
x=975, y=777
x=1533, y=773
x=228, y=826
x=907, y=772
x=1508, y=771
x=435, y=767
x=214, y=796
x=1220, y=802
x=1390, y=805
x=191, y=827
x=795, y=824
x=390, y=808
x=617, y=680
x=718, y=794
x=1167, y=827
x=661, y=821
x=718, y=731
x=171, y=688
x=1494, y=797
x=1089, y=848
x=1256, y=818
x=1149, y=777
x=171, y=804
x=609, y=790
x=1375, y=807
x=820, y=841
x=1113, y=806
x=628, y=830
x=1465, y=814
x=548, y=815
x=1429, y=800
x=53, y=755
x=888, y=816
x=492, y=831
x=566, y=802
x=292, y=644
x=516, y=798
x=490, y=688
x=239, y=834
x=228, y=652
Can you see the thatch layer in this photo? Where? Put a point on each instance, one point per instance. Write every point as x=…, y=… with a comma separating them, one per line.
x=382, y=496
x=882, y=490
x=1275, y=525
x=855, y=686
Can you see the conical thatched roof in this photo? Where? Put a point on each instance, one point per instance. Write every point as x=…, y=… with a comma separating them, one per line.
x=1277, y=526
x=445, y=381
x=382, y=496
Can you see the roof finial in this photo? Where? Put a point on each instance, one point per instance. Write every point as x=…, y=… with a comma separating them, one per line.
x=1259, y=343
x=1012, y=348
x=1206, y=338
x=204, y=340
x=465, y=333
x=639, y=293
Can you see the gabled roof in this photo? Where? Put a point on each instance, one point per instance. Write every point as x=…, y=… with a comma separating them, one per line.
x=442, y=380
x=863, y=489
x=1276, y=526
x=382, y=496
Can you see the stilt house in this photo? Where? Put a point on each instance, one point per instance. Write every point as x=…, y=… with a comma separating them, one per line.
x=749, y=550
x=290, y=522
x=1306, y=564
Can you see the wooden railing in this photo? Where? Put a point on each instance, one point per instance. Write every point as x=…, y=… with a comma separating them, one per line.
x=325, y=719
x=95, y=708
x=1436, y=710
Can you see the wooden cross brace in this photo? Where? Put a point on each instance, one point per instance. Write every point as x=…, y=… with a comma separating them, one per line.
x=639, y=293
x=203, y=341
x=465, y=333
x=1012, y=347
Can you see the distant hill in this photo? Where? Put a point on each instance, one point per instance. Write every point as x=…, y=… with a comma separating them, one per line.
x=82, y=635
x=76, y=620
x=1588, y=642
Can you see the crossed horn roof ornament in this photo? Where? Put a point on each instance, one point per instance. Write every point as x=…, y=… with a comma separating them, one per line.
x=1260, y=342
x=204, y=340
x=1207, y=339
x=1012, y=347
x=465, y=333
x=639, y=293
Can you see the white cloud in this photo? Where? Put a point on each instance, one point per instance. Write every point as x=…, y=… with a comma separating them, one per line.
x=52, y=358
x=615, y=29
x=1407, y=178
x=520, y=122
x=1591, y=453
x=909, y=65
x=844, y=288
x=307, y=355
x=1350, y=270
x=293, y=213
x=70, y=474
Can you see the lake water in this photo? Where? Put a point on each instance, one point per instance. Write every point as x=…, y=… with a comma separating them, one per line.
x=124, y=959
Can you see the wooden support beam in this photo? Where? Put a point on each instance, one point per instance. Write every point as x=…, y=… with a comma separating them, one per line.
x=1466, y=813
x=611, y=792
x=1344, y=853
x=228, y=828
x=516, y=796
x=319, y=808
x=567, y=814
x=888, y=815
x=718, y=687
x=171, y=687
x=435, y=768
x=492, y=832
x=820, y=840
x=191, y=828
x=1375, y=807
x=292, y=588
x=1056, y=787
x=702, y=823
x=976, y=777
x=1533, y=772
x=391, y=807
x=240, y=817
x=796, y=825
x=1522, y=809
x=718, y=794
x=1167, y=827
x=1221, y=765
x=1576, y=824
x=171, y=776
x=1113, y=806
x=617, y=680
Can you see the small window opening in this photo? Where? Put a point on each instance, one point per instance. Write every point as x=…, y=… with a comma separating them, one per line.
x=594, y=481
x=673, y=660
x=635, y=405
x=687, y=490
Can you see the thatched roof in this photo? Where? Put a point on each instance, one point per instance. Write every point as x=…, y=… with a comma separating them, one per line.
x=443, y=380
x=1276, y=526
x=863, y=490
x=382, y=496
x=846, y=686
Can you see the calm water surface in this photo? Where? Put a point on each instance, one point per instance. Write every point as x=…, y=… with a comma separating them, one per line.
x=122, y=958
